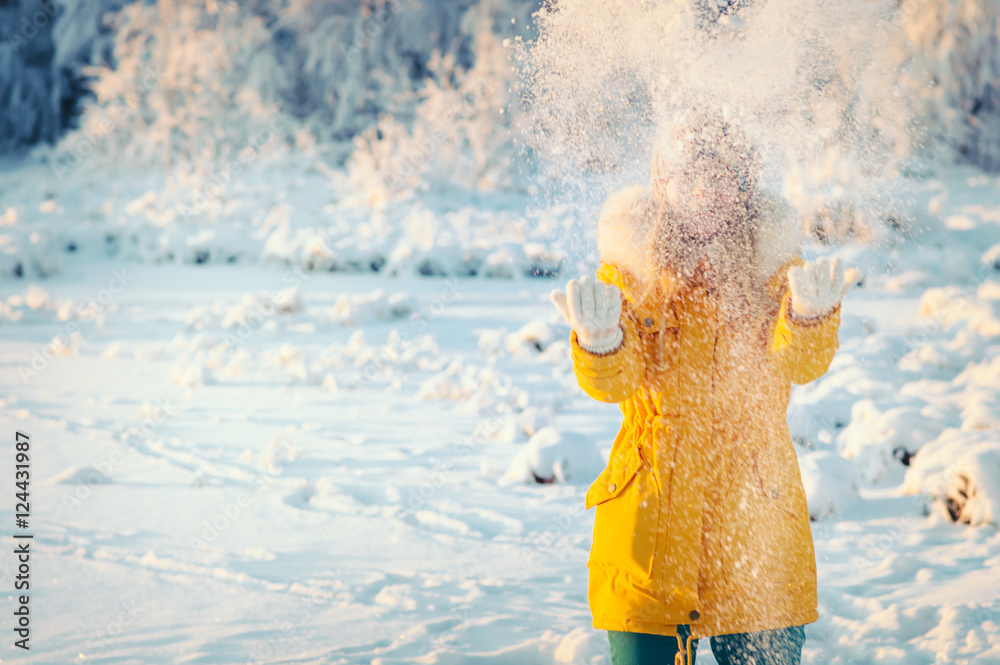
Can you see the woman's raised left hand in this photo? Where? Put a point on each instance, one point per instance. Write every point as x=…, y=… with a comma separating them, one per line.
x=817, y=287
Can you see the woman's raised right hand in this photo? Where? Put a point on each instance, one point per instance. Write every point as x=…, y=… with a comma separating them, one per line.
x=593, y=309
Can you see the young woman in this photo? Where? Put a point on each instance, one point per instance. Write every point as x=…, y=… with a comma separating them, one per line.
x=700, y=319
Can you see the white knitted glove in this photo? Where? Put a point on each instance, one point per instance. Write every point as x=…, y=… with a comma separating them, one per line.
x=817, y=287
x=592, y=308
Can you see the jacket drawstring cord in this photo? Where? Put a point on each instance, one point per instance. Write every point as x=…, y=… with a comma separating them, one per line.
x=681, y=651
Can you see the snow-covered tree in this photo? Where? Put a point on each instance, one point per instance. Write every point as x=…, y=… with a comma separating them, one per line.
x=189, y=83
x=461, y=134
x=338, y=66
x=44, y=45
x=190, y=70
x=951, y=69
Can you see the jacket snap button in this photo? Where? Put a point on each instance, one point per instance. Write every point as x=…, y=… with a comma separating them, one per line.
x=695, y=615
x=649, y=322
x=774, y=493
x=612, y=487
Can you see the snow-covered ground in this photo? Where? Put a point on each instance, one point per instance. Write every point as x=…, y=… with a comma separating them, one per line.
x=241, y=464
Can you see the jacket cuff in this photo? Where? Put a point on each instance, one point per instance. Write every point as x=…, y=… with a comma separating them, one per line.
x=599, y=366
x=809, y=321
x=602, y=346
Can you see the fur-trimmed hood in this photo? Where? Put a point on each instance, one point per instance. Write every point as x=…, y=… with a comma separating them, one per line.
x=628, y=221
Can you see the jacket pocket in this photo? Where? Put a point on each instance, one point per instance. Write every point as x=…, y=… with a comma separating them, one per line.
x=626, y=517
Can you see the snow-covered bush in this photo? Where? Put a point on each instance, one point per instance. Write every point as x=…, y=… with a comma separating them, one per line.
x=378, y=305
x=960, y=472
x=880, y=443
x=350, y=62
x=461, y=133
x=191, y=75
x=191, y=84
x=831, y=483
x=338, y=66
x=952, y=70
x=553, y=456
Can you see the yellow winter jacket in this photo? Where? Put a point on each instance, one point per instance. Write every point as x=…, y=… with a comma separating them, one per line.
x=701, y=515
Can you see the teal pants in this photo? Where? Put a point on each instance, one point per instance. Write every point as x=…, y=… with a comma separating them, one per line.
x=782, y=646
